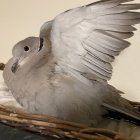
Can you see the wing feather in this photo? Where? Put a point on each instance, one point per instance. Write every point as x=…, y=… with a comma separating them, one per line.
x=88, y=38
x=121, y=35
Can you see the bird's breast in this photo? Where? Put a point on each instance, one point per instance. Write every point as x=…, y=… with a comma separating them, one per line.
x=58, y=95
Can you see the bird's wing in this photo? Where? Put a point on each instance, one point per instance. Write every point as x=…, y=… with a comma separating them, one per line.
x=87, y=39
x=118, y=113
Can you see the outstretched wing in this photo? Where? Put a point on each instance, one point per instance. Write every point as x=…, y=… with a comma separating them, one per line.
x=87, y=39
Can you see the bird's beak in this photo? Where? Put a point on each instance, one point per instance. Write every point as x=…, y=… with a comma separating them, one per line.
x=41, y=44
x=15, y=66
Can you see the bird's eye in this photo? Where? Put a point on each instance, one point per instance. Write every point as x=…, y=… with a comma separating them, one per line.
x=26, y=48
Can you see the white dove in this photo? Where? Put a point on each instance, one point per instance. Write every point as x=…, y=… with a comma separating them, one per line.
x=64, y=72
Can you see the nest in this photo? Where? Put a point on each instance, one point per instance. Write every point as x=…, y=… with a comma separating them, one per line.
x=54, y=127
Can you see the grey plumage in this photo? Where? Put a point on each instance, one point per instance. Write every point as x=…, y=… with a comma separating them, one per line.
x=64, y=72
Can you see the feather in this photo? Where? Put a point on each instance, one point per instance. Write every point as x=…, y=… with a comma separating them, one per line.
x=109, y=40
x=102, y=56
x=101, y=48
x=121, y=35
x=96, y=72
x=103, y=65
x=116, y=28
x=123, y=16
x=119, y=21
x=120, y=9
x=105, y=4
x=132, y=115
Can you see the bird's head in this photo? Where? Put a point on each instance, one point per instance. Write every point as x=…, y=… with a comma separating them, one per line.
x=28, y=52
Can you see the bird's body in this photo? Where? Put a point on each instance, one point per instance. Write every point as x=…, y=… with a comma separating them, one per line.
x=62, y=95
x=64, y=73
x=59, y=95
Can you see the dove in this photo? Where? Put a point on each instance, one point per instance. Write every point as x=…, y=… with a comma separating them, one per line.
x=64, y=72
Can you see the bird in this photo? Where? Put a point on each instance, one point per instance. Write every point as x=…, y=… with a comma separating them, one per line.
x=64, y=72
